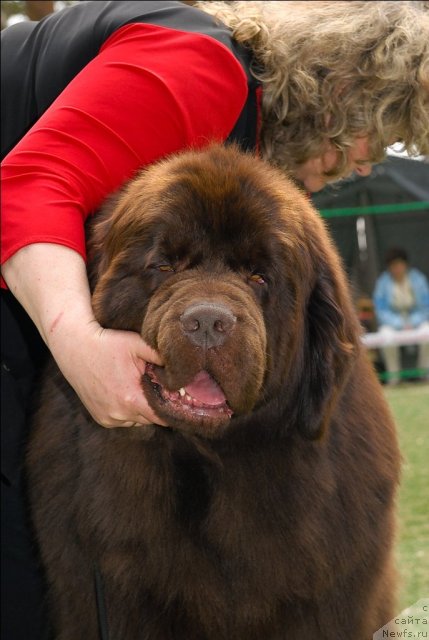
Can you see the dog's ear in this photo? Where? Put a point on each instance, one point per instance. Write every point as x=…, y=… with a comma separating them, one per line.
x=330, y=342
x=97, y=230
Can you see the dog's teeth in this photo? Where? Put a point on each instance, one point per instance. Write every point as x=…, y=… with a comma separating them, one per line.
x=188, y=398
x=182, y=392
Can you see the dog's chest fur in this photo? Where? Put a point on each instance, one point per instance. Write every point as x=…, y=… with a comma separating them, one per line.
x=183, y=528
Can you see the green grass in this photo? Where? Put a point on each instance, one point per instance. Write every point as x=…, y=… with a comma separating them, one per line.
x=410, y=406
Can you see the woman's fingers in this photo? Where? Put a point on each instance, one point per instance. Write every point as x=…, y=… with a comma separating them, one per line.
x=105, y=369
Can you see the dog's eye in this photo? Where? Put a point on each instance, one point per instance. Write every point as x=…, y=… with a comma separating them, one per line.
x=258, y=278
x=165, y=268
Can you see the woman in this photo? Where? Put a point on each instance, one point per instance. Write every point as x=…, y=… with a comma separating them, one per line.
x=401, y=301
x=98, y=90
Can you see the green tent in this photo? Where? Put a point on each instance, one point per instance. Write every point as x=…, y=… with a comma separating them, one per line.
x=367, y=216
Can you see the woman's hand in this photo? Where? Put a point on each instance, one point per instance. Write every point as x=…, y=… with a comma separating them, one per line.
x=103, y=366
x=105, y=369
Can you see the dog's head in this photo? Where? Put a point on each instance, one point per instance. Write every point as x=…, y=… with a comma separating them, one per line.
x=223, y=266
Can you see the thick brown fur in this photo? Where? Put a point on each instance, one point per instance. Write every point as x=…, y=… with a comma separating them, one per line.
x=276, y=524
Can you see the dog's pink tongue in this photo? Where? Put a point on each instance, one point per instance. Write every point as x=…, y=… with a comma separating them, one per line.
x=205, y=389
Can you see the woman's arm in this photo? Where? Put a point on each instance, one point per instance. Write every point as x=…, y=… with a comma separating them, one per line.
x=149, y=92
x=133, y=104
x=103, y=366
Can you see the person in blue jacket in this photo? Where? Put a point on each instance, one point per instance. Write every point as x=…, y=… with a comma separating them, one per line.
x=401, y=300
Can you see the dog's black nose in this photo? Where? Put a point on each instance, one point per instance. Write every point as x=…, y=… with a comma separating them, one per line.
x=207, y=324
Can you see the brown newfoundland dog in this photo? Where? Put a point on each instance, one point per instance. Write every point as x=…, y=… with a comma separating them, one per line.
x=265, y=510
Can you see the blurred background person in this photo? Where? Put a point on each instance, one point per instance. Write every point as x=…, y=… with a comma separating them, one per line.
x=401, y=300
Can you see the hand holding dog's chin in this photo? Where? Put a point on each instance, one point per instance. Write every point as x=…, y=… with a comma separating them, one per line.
x=103, y=366
x=105, y=371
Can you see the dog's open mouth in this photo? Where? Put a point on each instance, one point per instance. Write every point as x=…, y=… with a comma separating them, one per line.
x=201, y=398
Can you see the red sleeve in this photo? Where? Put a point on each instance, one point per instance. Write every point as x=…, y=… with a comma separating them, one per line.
x=149, y=92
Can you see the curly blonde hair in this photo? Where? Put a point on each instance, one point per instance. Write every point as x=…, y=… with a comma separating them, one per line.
x=334, y=70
